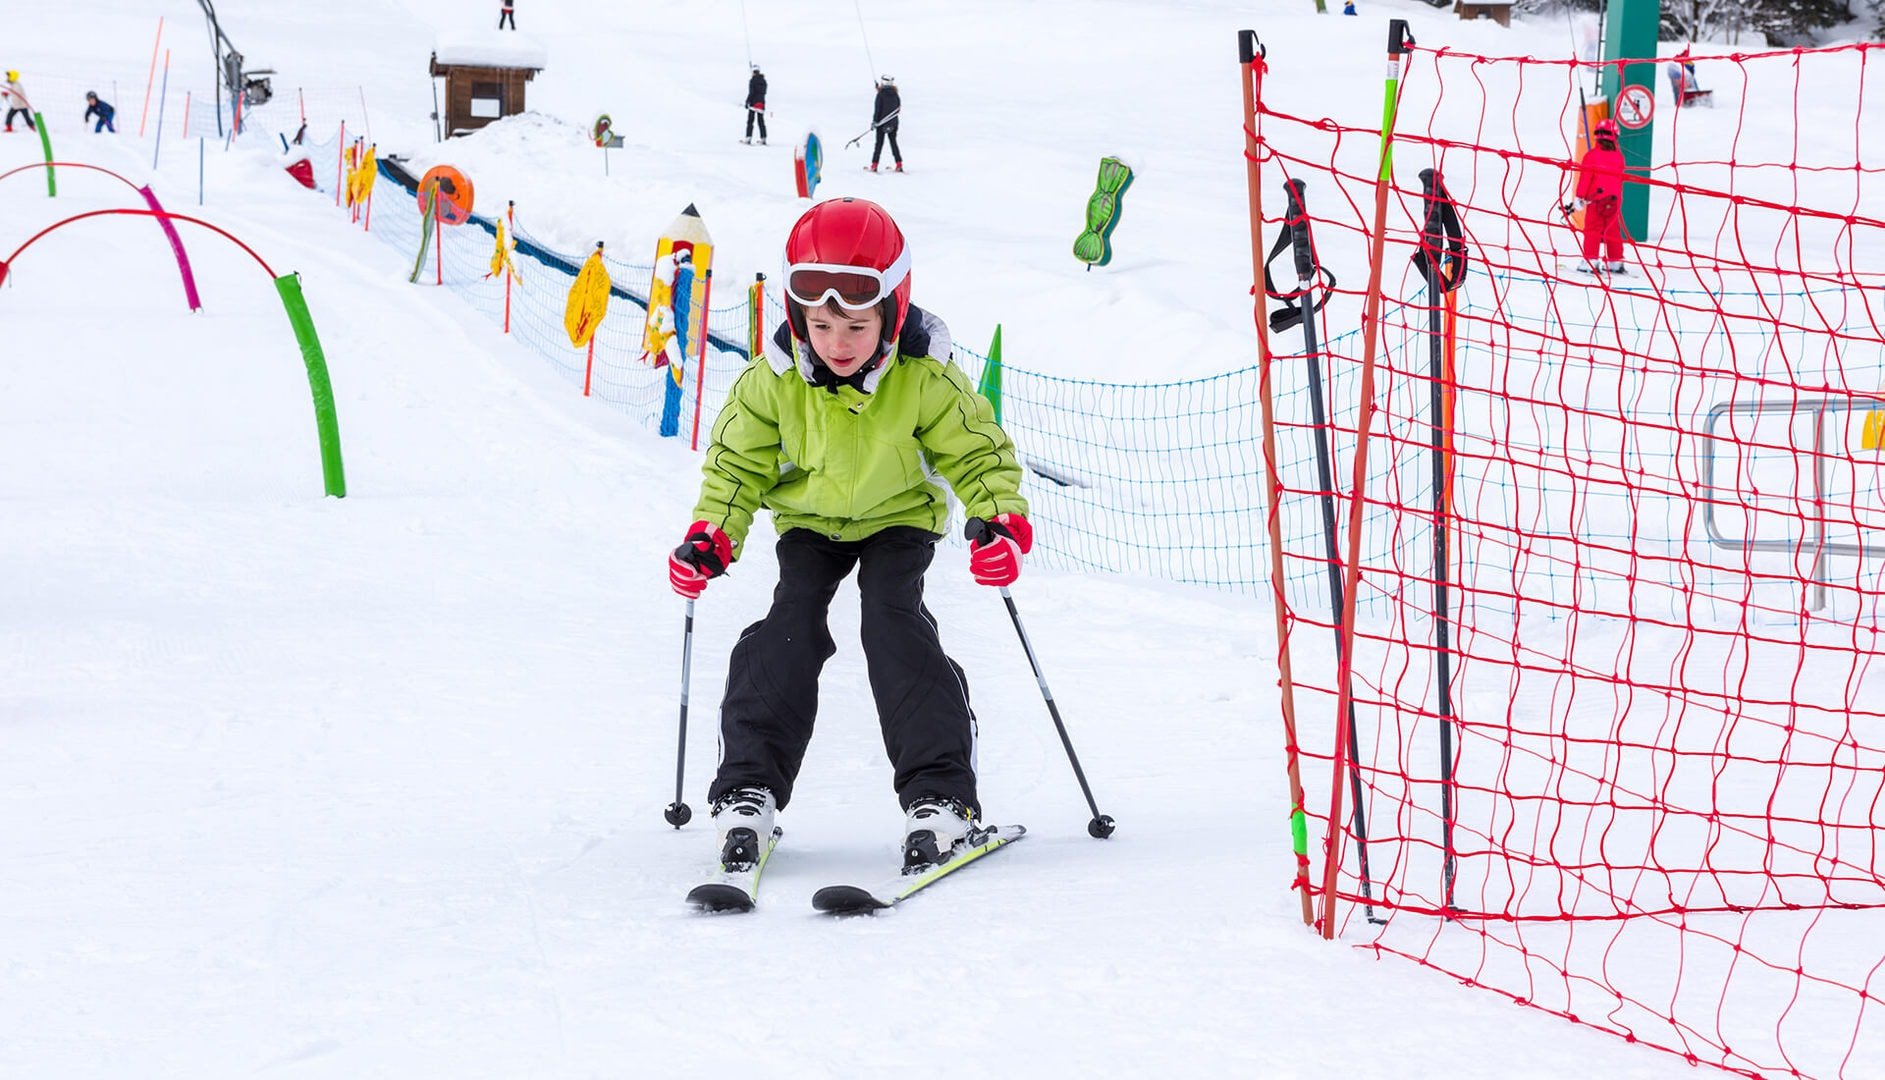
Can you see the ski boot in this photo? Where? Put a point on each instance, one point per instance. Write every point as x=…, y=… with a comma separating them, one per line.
x=742, y=821
x=899, y=166
x=933, y=831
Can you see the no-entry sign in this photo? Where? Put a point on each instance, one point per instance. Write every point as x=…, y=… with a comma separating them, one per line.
x=1635, y=106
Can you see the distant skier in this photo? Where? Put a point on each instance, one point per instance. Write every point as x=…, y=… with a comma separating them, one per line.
x=756, y=105
x=1599, y=195
x=508, y=15
x=16, y=101
x=884, y=119
x=837, y=432
x=1349, y=8
x=101, y=109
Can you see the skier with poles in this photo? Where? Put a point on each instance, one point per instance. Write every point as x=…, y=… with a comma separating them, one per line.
x=756, y=105
x=837, y=432
x=884, y=113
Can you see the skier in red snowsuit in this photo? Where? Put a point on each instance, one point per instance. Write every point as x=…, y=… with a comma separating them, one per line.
x=1600, y=196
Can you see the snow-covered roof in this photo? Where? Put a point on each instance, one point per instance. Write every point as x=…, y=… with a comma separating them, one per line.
x=492, y=48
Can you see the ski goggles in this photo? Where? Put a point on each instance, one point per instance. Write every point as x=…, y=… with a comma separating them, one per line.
x=853, y=287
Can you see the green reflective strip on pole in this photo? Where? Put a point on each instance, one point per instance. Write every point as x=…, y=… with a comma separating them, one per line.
x=1389, y=105
x=1299, y=832
x=45, y=143
x=332, y=474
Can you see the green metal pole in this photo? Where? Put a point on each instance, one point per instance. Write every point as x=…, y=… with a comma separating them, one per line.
x=1630, y=36
x=325, y=419
x=45, y=143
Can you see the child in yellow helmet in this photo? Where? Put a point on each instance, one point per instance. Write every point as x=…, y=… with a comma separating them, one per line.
x=16, y=101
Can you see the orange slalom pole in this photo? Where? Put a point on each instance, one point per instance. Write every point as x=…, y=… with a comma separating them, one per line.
x=1251, y=53
x=151, y=79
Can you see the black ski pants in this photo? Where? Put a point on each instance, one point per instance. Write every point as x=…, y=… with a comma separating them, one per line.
x=772, y=679
x=753, y=114
x=21, y=112
x=887, y=131
x=507, y=16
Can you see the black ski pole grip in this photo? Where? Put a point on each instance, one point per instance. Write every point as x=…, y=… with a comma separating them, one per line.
x=1298, y=221
x=977, y=531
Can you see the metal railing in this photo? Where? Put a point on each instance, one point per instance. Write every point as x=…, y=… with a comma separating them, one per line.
x=1814, y=539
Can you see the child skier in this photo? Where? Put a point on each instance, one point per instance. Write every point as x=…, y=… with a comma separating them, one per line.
x=508, y=15
x=837, y=432
x=756, y=105
x=884, y=118
x=16, y=101
x=1599, y=195
x=101, y=109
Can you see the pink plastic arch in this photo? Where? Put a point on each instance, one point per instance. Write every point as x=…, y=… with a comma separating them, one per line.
x=157, y=211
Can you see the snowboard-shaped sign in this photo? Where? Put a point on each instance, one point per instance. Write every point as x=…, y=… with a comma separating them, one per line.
x=808, y=163
x=588, y=300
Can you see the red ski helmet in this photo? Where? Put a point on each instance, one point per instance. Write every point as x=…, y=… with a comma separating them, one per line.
x=1606, y=129
x=848, y=250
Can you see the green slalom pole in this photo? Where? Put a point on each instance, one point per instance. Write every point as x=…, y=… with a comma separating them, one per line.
x=325, y=418
x=45, y=143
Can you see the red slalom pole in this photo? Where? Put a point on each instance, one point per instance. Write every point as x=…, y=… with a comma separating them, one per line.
x=589, y=365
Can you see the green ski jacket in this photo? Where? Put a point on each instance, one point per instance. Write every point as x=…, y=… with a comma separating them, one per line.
x=848, y=463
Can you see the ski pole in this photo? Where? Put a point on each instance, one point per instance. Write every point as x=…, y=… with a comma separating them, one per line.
x=1296, y=235
x=875, y=124
x=677, y=812
x=1441, y=260
x=1101, y=826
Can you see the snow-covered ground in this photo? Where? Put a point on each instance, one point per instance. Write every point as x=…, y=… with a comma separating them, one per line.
x=373, y=786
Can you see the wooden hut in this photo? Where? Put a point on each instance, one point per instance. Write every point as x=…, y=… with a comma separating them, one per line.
x=484, y=78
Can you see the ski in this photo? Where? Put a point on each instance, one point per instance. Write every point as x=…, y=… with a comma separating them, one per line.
x=854, y=900
x=734, y=890
x=1574, y=272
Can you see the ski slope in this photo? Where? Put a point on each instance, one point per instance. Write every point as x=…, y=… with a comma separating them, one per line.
x=373, y=786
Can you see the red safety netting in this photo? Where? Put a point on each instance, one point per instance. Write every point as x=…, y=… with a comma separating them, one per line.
x=1582, y=574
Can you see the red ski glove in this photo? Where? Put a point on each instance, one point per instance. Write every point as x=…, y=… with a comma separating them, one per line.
x=704, y=555
x=995, y=549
